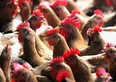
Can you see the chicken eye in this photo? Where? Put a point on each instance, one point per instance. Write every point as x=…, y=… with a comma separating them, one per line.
x=34, y=19
x=111, y=52
x=68, y=27
x=54, y=36
x=44, y=10
x=23, y=74
x=58, y=66
x=57, y=8
x=71, y=59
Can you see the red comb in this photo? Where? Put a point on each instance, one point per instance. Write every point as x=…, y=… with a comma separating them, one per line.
x=17, y=67
x=59, y=2
x=56, y=60
x=70, y=52
x=109, y=3
x=75, y=12
x=99, y=13
x=96, y=29
x=73, y=21
x=37, y=12
x=52, y=31
x=101, y=71
x=108, y=45
x=44, y=3
x=23, y=25
x=62, y=75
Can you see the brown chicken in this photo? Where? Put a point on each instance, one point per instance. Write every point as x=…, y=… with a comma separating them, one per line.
x=29, y=48
x=41, y=48
x=21, y=74
x=8, y=11
x=39, y=24
x=58, y=65
x=96, y=42
x=49, y=14
x=72, y=34
x=95, y=20
x=5, y=59
x=2, y=76
x=59, y=8
x=81, y=71
x=110, y=56
x=58, y=41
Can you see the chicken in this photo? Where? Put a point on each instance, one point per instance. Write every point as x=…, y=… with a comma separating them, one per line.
x=96, y=42
x=41, y=48
x=25, y=9
x=58, y=65
x=2, y=76
x=49, y=14
x=8, y=11
x=59, y=8
x=80, y=69
x=21, y=74
x=63, y=76
x=58, y=41
x=102, y=75
x=29, y=42
x=39, y=24
x=72, y=34
x=5, y=59
x=94, y=20
x=71, y=5
x=110, y=56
